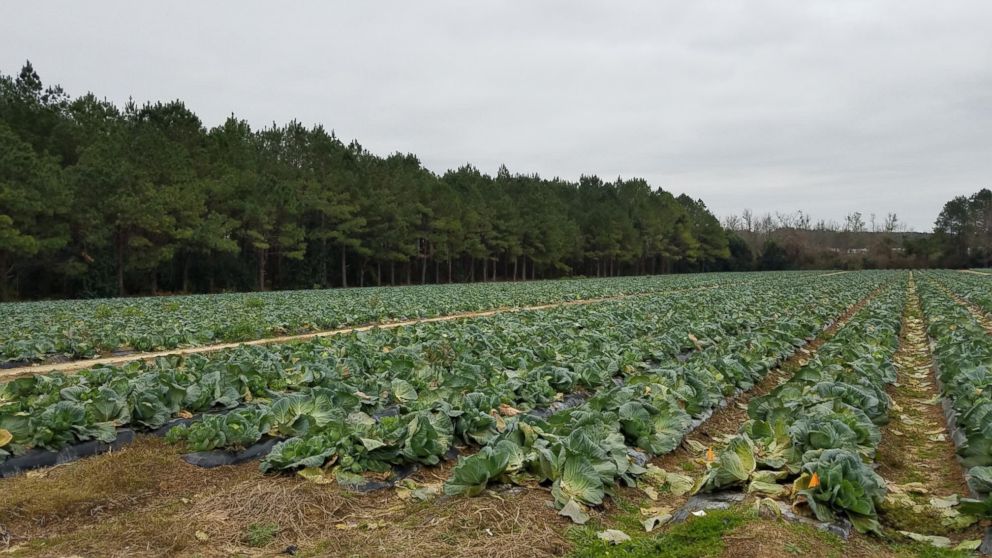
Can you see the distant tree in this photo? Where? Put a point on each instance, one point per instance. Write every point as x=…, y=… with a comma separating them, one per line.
x=741, y=256
x=854, y=222
x=773, y=257
x=980, y=209
x=954, y=229
x=33, y=203
x=891, y=223
x=706, y=231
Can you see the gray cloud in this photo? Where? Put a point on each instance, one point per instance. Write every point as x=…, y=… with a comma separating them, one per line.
x=828, y=107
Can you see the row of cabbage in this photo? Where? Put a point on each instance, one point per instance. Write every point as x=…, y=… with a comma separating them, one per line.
x=402, y=379
x=641, y=393
x=49, y=411
x=975, y=289
x=585, y=451
x=963, y=352
x=815, y=436
x=35, y=331
x=437, y=404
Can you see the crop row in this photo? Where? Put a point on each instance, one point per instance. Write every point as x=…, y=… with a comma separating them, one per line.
x=641, y=394
x=816, y=435
x=585, y=451
x=963, y=352
x=85, y=328
x=972, y=288
x=456, y=373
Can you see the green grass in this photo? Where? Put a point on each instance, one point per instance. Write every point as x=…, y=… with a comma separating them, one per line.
x=806, y=539
x=259, y=535
x=698, y=537
x=905, y=519
x=922, y=550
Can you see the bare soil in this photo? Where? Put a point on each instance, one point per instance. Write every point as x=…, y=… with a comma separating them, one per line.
x=916, y=446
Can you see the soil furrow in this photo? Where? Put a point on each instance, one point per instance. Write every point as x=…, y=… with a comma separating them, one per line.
x=917, y=455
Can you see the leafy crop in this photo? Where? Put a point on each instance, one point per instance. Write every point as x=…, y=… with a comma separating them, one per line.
x=33, y=331
x=575, y=397
x=821, y=426
x=963, y=350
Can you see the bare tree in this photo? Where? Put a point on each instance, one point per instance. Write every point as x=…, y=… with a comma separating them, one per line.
x=748, y=218
x=765, y=224
x=733, y=223
x=854, y=222
x=785, y=220
x=892, y=223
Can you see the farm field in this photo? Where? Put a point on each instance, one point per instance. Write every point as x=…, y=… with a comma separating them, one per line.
x=61, y=330
x=786, y=409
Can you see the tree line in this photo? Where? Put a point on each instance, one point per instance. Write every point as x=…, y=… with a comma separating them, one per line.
x=100, y=200
x=795, y=241
x=963, y=232
x=961, y=237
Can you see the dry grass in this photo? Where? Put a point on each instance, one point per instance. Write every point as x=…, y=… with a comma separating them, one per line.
x=149, y=469
x=145, y=501
x=518, y=523
x=301, y=510
x=765, y=538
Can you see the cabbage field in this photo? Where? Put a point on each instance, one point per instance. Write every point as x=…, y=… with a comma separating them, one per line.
x=34, y=331
x=795, y=390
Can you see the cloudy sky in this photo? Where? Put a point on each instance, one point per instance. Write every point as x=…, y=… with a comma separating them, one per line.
x=829, y=107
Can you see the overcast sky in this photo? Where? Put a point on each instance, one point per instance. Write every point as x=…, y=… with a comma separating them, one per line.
x=829, y=107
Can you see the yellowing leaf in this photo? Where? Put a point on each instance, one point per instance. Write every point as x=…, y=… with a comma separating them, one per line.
x=968, y=546
x=508, y=411
x=613, y=536
x=314, y=475
x=655, y=510
x=695, y=446
x=695, y=341
x=915, y=487
x=939, y=542
x=679, y=484
x=946, y=502
x=655, y=520
x=649, y=491
x=575, y=511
